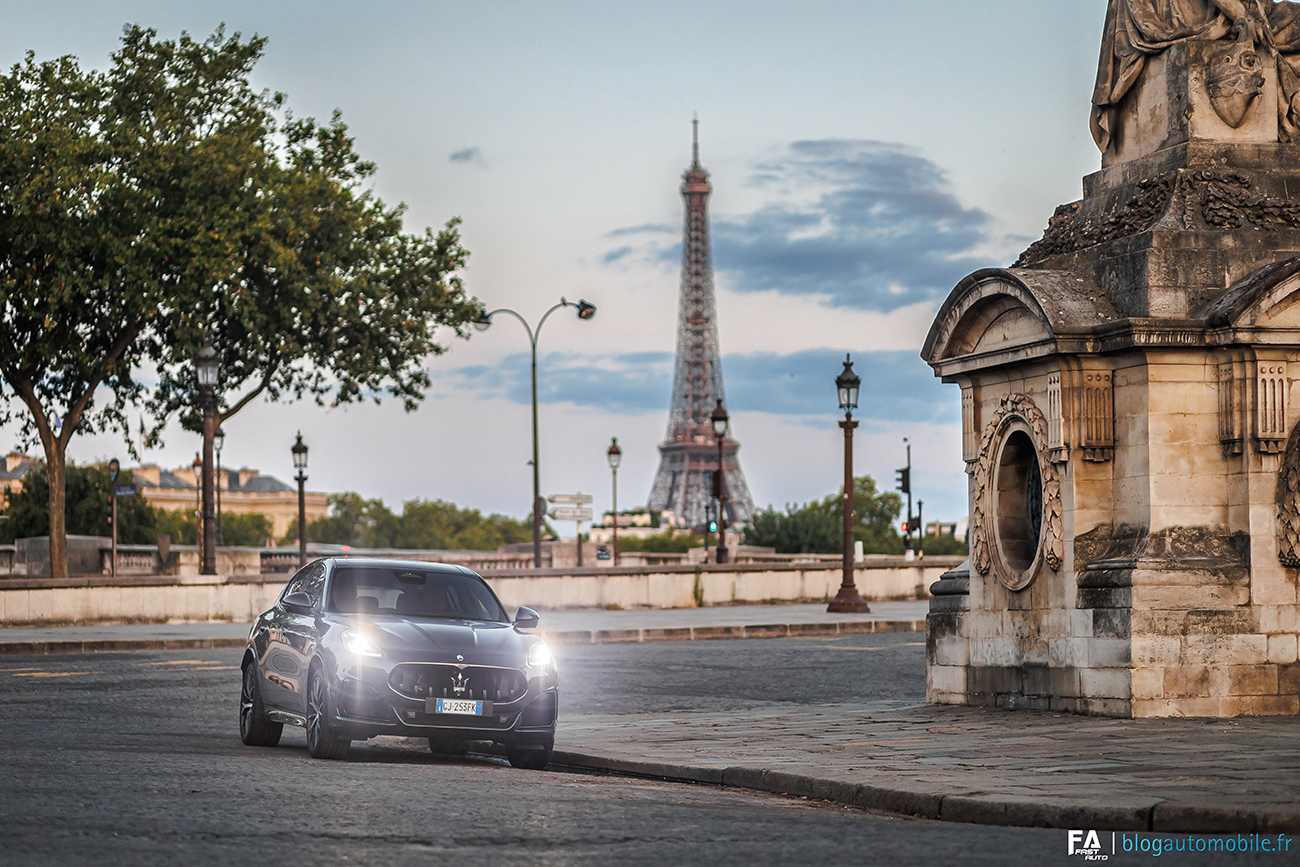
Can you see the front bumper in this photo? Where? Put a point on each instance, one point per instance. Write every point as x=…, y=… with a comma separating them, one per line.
x=367, y=704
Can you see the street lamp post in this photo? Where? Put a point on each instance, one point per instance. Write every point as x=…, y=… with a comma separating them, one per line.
x=484, y=322
x=197, y=466
x=615, y=455
x=218, y=440
x=718, y=418
x=920, y=533
x=207, y=369
x=299, y=450
x=113, y=467
x=848, y=600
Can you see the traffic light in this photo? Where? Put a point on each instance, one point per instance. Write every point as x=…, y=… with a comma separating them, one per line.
x=903, y=527
x=110, y=511
x=904, y=479
x=713, y=526
x=914, y=525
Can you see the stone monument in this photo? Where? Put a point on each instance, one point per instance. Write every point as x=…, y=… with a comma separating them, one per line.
x=1129, y=430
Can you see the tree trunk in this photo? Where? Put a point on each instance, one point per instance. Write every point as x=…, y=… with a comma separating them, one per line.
x=56, y=474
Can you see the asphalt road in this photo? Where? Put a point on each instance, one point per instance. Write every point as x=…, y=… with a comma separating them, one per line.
x=135, y=759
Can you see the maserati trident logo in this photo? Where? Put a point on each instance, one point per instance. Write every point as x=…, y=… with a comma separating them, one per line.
x=459, y=683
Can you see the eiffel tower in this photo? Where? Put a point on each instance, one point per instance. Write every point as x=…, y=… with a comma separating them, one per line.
x=689, y=455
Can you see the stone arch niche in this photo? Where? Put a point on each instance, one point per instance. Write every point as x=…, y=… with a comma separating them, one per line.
x=1017, y=526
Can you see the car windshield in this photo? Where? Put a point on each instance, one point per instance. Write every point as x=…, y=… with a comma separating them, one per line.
x=412, y=593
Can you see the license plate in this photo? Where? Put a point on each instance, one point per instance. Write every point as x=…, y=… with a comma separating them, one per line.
x=458, y=706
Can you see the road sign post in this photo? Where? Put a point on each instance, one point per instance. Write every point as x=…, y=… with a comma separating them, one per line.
x=574, y=509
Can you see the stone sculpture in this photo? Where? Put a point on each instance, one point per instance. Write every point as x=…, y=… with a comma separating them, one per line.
x=1264, y=32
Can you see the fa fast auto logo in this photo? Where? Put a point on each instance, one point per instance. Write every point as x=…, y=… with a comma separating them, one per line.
x=1086, y=844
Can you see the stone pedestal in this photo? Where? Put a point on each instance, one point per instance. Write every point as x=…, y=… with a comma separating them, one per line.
x=1131, y=430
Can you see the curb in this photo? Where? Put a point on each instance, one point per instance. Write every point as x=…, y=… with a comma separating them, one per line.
x=598, y=636
x=1149, y=815
x=713, y=633
x=111, y=645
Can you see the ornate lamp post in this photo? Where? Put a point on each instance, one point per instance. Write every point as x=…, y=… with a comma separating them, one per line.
x=208, y=370
x=300, y=464
x=848, y=600
x=719, y=419
x=615, y=455
x=113, y=467
x=585, y=312
x=218, y=440
x=197, y=466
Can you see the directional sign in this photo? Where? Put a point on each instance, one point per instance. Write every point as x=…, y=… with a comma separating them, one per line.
x=125, y=491
x=570, y=513
x=576, y=499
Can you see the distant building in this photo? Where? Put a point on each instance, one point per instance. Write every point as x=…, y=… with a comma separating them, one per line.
x=15, y=470
x=243, y=491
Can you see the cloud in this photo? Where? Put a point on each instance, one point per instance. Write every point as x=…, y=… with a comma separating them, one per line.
x=472, y=156
x=862, y=224
x=896, y=386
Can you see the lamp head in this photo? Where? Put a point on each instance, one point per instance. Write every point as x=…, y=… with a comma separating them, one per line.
x=719, y=419
x=113, y=467
x=206, y=367
x=847, y=384
x=586, y=310
x=614, y=453
x=484, y=321
x=219, y=439
x=299, y=450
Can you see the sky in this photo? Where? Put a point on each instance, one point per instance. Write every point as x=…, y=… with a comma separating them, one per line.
x=865, y=156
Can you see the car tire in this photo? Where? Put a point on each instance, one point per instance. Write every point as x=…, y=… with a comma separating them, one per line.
x=255, y=728
x=531, y=758
x=448, y=748
x=322, y=741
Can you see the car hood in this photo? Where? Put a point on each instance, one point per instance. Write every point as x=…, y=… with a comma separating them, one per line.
x=428, y=640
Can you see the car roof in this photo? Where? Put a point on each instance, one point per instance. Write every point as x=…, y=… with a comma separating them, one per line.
x=393, y=563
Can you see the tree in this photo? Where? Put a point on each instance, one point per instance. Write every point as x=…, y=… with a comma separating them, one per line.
x=425, y=525
x=165, y=202
x=666, y=542
x=27, y=510
x=818, y=528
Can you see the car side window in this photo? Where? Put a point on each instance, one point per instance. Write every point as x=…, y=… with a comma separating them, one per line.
x=313, y=583
x=295, y=583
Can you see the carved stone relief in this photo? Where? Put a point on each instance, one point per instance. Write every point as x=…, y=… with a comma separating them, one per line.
x=1252, y=402
x=969, y=426
x=1288, y=503
x=1234, y=79
x=1270, y=407
x=984, y=524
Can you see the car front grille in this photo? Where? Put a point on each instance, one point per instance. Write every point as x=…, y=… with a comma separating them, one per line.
x=423, y=680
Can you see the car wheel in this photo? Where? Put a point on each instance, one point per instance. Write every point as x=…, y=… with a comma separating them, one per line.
x=529, y=758
x=448, y=748
x=322, y=742
x=255, y=727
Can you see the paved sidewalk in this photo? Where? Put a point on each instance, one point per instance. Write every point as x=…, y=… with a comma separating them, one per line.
x=579, y=626
x=977, y=765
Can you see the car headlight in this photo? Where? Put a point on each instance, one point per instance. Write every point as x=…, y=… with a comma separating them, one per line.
x=539, y=655
x=358, y=643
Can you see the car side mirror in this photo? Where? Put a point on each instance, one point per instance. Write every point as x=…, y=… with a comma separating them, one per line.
x=298, y=603
x=526, y=618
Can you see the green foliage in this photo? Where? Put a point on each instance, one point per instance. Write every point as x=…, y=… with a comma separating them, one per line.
x=245, y=530
x=817, y=527
x=27, y=510
x=940, y=546
x=666, y=542
x=430, y=525
x=180, y=524
x=165, y=201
